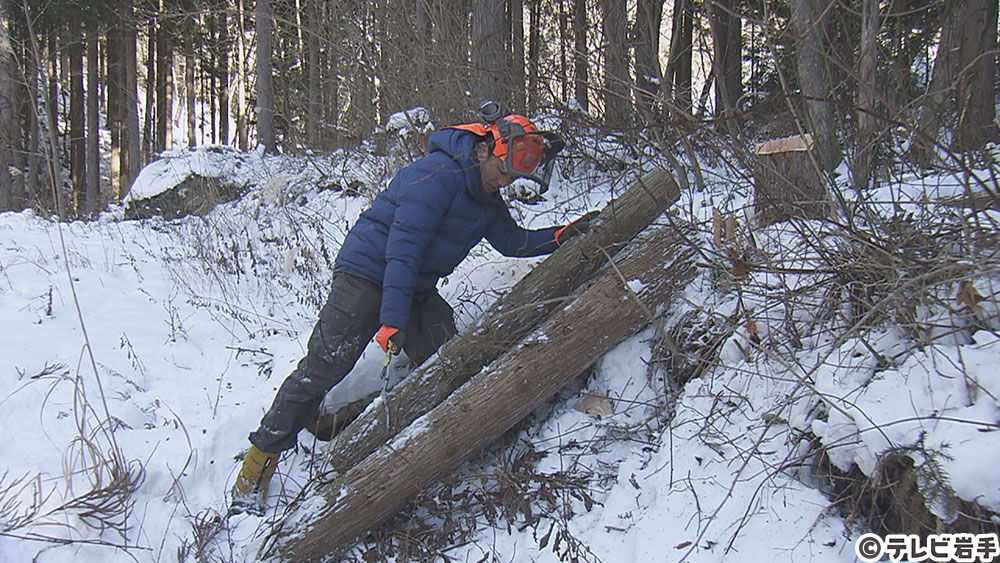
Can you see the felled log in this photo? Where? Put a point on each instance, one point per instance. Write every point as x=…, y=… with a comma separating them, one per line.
x=509, y=320
x=614, y=307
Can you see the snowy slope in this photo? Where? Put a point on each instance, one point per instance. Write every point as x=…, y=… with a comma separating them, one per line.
x=194, y=323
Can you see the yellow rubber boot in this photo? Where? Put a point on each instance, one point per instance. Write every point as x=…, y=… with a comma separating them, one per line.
x=255, y=475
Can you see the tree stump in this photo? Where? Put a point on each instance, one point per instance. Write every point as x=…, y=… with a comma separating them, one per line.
x=787, y=183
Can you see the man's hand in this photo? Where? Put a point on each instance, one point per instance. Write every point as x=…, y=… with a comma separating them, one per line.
x=577, y=227
x=390, y=339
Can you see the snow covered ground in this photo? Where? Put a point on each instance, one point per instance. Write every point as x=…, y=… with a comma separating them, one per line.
x=165, y=341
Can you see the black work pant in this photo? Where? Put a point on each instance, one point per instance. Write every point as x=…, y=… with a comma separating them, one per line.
x=347, y=322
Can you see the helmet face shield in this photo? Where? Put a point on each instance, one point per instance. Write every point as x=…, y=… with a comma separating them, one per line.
x=530, y=154
x=525, y=151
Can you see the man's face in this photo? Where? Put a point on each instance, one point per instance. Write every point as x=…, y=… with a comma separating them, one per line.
x=491, y=170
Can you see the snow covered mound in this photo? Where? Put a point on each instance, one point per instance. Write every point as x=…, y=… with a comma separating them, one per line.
x=193, y=182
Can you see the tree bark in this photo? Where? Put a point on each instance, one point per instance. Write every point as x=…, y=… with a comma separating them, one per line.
x=517, y=74
x=455, y=76
x=602, y=316
x=977, y=80
x=581, y=79
x=164, y=83
x=865, y=140
x=313, y=106
x=93, y=112
x=534, y=40
x=8, y=113
x=564, y=41
x=807, y=19
x=148, y=126
x=242, y=127
x=265, y=88
x=677, y=79
x=189, y=90
x=223, y=48
x=727, y=41
x=210, y=82
x=116, y=84
x=77, y=120
x=330, y=74
x=359, y=117
x=32, y=183
x=489, y=58
x=510, y=319
x=962, y=83
x=647, y=55
x=131, y=141
x=617, y=82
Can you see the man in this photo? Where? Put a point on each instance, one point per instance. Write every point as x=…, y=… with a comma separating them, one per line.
x=416, y=231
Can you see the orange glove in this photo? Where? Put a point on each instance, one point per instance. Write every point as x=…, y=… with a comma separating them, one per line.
x=577, y=227
x=389, y=339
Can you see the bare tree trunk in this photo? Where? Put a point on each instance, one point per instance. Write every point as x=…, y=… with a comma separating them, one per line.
x=210, y=82
x=517, y=54
x=265, y=88
x=493, y=401
x=581, y=79
x=962, y=84
x=457, y=77
x=242, y=127
x=189, y=89
x=115, y=67
x=865, y=142
x=52, y=117
x=564, y=42
x=976, y=97
x=728, y=61
x=422, y=29
x=313, y=106
x=23, y=116
x=617, y=82
x=65, y=93
x=534, y=40
x=510, y=319
x=149, y=126
x=649, y=14
x=32, y=183
x=93, y=112
x=677, y=79
x=164, y=83
x=811, y=58
x=329, y=74
x=359, y=118
x=131, y=142
x=9, y=132
x=77, y=120
x=489, y=59
x=224, y=80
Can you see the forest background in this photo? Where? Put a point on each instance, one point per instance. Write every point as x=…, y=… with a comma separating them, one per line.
x=107, y=85
x=899, y=96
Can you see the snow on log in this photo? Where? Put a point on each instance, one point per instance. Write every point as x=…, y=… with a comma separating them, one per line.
x=660, y=263
x=509, y=320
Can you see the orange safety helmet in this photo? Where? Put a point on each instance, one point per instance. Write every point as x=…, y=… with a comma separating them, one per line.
x=524, y=150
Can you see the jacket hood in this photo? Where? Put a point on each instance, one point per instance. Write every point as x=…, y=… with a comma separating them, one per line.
x=461, y=147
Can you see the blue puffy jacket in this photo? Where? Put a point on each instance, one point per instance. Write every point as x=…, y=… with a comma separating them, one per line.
x=419, y=228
